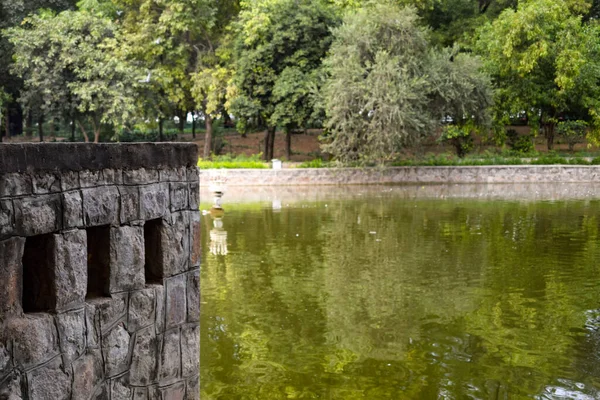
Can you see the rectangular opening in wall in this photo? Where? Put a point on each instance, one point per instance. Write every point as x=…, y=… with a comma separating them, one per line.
x=39, y=293
x=98, y=256
x=152, y=245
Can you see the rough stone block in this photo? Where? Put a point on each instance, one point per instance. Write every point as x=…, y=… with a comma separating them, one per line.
x=140, y=394
x=115, y=349
x=72, y=209
x=130, y=204
x=174, y=392
x=71, y=334
x=11, y=387
x=108, y=311
x=7, y=218
x=141, y=309
x=178, y=192
x=70, y=269
x=100, y=206
x=90, y=179
x=87, y=375
x=15, y=184
x=45, y=182
x=69, y=180
x=194, y=195
x=120, y=389
x=195, y=243
x=176, y=308
x=160, y=308
x=192, y=388
x=192, y=174
x=126, y=258
x=103, y=392
x=154, y=201
x=49, y=382
x=193, y=296
x=34, y=340
x=174, y=244
x=170, y=357
x=140, y=176
x=112, y=176
x=144, y=361
x=11, y=276
x=172, y=174
x=92, y=326
x=38, y=215
x=5, y=357
x=190, y=350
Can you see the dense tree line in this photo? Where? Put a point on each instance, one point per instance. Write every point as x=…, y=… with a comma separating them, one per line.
x=376, y=76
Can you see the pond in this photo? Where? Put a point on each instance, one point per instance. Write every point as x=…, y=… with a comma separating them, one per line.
x=382, y=293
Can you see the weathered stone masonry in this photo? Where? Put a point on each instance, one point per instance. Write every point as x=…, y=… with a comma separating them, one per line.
x=99, y=272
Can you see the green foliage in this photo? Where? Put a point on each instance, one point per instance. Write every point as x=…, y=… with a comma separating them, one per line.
x=278, y=49
x=316, y=163
x=520, y=144
x=459, y=136
x=387, y=88
x=70, y=69
x=228, y=161
x=573, y=131
x=544, y=61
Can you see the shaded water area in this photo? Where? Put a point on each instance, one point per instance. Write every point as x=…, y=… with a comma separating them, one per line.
x=402, y=293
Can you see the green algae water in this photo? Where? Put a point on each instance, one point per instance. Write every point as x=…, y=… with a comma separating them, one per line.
x=379, y=296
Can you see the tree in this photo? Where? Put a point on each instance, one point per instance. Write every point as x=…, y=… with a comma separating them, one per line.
x=544, y=61
x=69, y=66
x=278, y=42
x=388, y=88
x=12, y=13
x=213, y=70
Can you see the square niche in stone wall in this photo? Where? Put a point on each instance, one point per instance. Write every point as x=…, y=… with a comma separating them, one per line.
x=98, y=258
x=38, y=274
x=152, y=244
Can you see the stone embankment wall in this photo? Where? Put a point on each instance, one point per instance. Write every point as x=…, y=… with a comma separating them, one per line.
x=99, y=267
x=348, y=176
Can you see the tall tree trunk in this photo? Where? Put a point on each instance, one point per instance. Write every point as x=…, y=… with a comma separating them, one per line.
x=194, y=124
x=549, y=132
x=29, y=124
x=96, y=127
x=288, y=144
x=83, y=131
x=267, y=145
x=41, y=127
x=208, y=136
x=160, y=129
x=272, y=143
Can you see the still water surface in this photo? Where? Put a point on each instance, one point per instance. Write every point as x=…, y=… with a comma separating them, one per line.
x=376, y=296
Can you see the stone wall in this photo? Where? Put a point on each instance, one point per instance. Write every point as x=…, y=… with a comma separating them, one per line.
x=354, y=176
x=99, y=263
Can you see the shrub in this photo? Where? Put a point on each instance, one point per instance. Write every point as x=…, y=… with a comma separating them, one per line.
x=573, y=131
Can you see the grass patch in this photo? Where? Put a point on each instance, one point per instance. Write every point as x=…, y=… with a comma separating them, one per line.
x=228, y=161
x=316, y=163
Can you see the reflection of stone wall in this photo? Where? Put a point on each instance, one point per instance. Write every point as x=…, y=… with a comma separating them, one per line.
x=476, y=174
x=281, y=196
x=99, y=263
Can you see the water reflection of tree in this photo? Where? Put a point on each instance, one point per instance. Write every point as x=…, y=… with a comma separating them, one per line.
x=335, y=313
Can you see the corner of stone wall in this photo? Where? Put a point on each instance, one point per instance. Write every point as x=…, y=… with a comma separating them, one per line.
x=100, y=269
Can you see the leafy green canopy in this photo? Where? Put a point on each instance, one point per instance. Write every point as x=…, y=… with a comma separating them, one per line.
x=69, y=68
x=545, y=61
x=278, y=50
x=388, y=88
